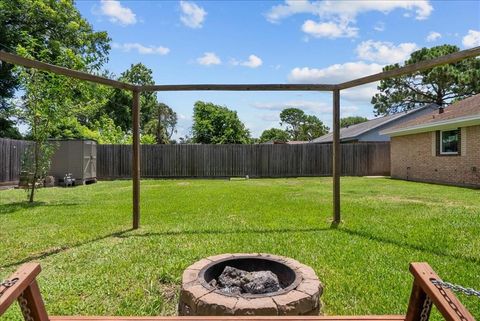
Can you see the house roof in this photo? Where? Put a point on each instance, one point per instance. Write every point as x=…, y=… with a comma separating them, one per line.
x=354, y=131
x=465, y=112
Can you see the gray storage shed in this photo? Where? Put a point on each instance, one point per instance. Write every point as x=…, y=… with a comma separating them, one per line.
x=77, y=157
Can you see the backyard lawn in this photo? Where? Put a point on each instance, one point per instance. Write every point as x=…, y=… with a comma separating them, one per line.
x=93, y=264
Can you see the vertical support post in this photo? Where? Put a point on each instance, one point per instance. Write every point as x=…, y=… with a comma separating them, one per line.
x=136, y=158
x=31, y=303
x=417, y=304
x=336, y=156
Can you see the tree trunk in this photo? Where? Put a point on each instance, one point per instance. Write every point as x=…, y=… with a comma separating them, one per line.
x=35, y=171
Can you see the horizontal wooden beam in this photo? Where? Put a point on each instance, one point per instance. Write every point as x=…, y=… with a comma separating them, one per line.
x=457, y=56
x=408, y=69
x=29, y=63
x=240, y=87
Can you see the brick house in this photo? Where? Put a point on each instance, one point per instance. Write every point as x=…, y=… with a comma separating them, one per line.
x=442, y=146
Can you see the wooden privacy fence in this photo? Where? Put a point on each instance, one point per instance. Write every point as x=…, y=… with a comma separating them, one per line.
x=11, y=153
x=279, y=160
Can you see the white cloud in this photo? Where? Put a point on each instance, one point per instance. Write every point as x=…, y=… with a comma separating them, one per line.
x=270, y=117
x=351, y=9
x=252, y=62
x=141, y=49
x=471, y=39
x=290, y=7
x=184, y=117
x=117, y=13
x=336, y=18
x=380, y=26
x=347, y=9
x=314, y=106
x=329, y=29
x=333, y=74
x=433, y=36
x=340, y=73
x=209, y=58
x=385, y=52
x=360, y=95
x=192, y=15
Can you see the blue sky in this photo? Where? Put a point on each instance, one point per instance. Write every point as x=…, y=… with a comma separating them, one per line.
x=275, y=42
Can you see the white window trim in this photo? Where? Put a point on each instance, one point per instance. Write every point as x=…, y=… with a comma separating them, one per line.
x=440, y=142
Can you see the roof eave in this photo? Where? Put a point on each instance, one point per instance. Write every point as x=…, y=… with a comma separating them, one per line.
x=440, y=125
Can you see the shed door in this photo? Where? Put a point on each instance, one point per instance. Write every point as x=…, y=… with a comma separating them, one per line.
x=89, y=159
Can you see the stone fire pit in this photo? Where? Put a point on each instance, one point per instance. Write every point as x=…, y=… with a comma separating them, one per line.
x=297, y=288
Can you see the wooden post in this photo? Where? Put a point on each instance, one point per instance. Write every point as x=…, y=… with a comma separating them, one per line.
x=336, y=159
x=416, y=303
x=34, y=305
x=136, y=158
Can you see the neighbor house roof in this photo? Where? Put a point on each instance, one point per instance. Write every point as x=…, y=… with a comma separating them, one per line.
x=463, y=113
x=354, y=131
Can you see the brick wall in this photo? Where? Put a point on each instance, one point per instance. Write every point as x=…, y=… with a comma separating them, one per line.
x=413, y=157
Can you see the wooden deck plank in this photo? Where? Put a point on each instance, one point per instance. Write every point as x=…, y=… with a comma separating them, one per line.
x=234, y=318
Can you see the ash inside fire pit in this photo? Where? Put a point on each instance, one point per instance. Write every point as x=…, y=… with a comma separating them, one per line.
x=237, y=281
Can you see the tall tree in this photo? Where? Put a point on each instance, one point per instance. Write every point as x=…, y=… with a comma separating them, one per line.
x=292, y=118
x=311, y=128
x=119, y=105
x=440, y=85
x=301, y=126
x=275, y=134
x=352, y=120
x=44, y=103
x=213, y=124
x=50, y=29
x=163, y=125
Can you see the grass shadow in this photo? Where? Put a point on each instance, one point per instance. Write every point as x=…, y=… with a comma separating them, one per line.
x=407, y=245
x=17, y=206
x=60, y=249
x=225, y=232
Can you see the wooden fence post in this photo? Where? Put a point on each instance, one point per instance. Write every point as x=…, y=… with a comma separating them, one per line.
x=136, y=158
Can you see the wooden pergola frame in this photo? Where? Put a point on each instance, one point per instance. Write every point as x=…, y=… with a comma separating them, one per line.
x=334, y=88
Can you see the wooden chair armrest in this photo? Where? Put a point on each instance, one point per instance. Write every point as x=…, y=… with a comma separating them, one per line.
x=25, y=276
x=444, y=299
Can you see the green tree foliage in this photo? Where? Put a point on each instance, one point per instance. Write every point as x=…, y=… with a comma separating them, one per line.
x=352, y=120
x=312, y=128
x=274, y=134
x=162, y=125
x=301, y=126
x=213, y=124
x=51, y=30
x=42, y=109
x=292, y=118
x=119, y=105
x=441, y=85
x=8, y=129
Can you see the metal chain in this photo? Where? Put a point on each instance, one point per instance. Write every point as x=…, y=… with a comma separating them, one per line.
x=426, y=308
x=27, y=313
x=7, y=284
x=457, y=288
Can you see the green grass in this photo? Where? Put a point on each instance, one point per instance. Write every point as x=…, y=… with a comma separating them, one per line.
x=93, y=264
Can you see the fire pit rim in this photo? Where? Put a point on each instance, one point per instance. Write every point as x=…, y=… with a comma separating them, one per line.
x=280, y=260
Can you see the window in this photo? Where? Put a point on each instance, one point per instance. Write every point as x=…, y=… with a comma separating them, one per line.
x=449, y=142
